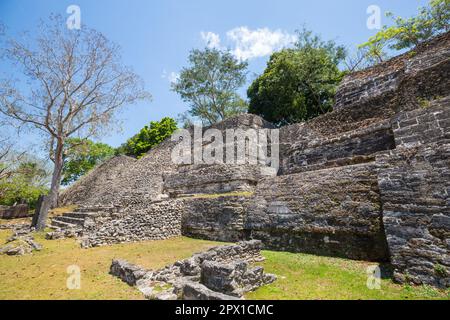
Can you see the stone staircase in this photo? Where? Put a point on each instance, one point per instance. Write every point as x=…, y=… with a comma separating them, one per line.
x=76, y=220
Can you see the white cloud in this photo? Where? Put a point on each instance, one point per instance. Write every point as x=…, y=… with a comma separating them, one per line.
x=211, y=39
x=249, y=44
x=172, y=76
x=246, y=44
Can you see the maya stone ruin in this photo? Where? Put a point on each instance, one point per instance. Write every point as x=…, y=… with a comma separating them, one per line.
x=369, y=180
x=221, y=273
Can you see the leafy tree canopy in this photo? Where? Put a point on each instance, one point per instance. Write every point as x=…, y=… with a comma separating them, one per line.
x=407, y=33
x=81, y=156
x=210, y=83
x=149, y=137
x=299, y=83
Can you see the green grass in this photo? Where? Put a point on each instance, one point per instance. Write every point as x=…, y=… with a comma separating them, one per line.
x=43, y=274
x=303, y=276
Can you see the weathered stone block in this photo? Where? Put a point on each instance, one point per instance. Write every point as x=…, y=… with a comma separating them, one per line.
x=358, y=146
x=181, y=280
x=197, y=291
x=414, y=186
x=14, y=212
x=234, y=278
x=220, y=218
x=332, y=212
x=206, y=179
x=127, y=272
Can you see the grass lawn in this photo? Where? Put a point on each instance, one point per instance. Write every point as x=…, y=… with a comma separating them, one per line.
x=304, y=276
x=43, y=275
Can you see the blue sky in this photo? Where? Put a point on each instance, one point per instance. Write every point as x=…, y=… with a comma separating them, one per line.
x=156, y=36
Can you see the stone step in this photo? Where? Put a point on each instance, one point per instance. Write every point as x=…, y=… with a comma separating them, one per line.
x=293, y=168
x=80, y=215
x=71, y=220
x=63, y=225
x=96, y=209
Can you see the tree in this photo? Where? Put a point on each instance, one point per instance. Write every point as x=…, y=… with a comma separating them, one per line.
x=81, y=156
x=210, y=83
x=149, y=137
x=5, y=153
x=362, y=58
x=26, y=179
x=407, y=33
x=299, y=83
x=76, y=84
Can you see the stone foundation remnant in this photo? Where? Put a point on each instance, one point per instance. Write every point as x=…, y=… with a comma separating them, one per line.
x=369, y=181
x=221, y=273
x=21, y=242
x=14, y=212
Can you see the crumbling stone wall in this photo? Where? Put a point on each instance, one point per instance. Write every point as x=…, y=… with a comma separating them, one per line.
x=220, y=218
x=122, y=180
x=358, y=146
x=414, y=182
x=221, y=273
x=415, y=186
x=143, y=221
x=430, y=123
x=333, y=211
x=210, y=179
x=99, y=179
x=399, y=78
x=14, y=212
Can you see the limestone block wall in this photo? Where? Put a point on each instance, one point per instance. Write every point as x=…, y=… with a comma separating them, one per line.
x=427, y=74
x=415, y=189
x=14, y=212
x=333, y=211
x=414, y=182
x=399, y=78
x=430, y=123
x=99, y=179
x=143, y=221
x=245, y=121
x=218, y=178
x=122, y=179
x=220, y=218
x=357, y=146
x=382, y=80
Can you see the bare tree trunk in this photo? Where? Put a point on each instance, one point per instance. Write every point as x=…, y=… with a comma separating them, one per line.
x=52, y=200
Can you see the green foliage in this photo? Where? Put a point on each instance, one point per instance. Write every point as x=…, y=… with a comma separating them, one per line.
x=27, y=181
x=407, y=33
x=210, y=83
x=298, y=84
x=149, y=137
x=81, y=156
x=440, y=270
